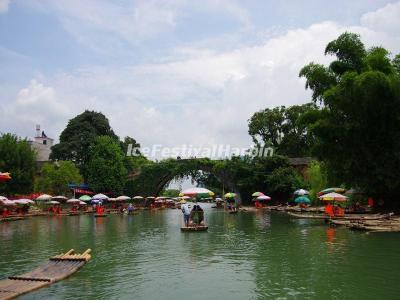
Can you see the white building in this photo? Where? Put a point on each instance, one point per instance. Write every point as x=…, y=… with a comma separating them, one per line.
x=42, y=145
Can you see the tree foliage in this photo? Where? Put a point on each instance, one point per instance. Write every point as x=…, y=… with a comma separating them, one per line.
x=55, y=177
x=78, y=136
x=357, y=128
x=17, y=157
x=283, y=128
x=244, y=175
x=317, y=178
x=106, y=171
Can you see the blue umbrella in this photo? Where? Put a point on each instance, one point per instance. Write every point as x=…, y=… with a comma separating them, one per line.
x=302, y=199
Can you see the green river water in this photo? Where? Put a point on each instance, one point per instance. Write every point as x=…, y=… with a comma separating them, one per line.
x=251, y=255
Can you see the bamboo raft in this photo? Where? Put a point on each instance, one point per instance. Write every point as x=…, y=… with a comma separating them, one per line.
x=12, y=218
x=345, y=218
x=59, y=267
x=195, y=228
x=100, y=215
x=382, y=225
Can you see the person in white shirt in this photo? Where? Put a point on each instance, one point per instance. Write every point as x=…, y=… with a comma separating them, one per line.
x=186, y=213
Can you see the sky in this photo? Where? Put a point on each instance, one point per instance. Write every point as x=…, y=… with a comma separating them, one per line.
x=170, y=72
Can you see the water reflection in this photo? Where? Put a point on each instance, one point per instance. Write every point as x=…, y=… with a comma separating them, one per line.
x=244, y=256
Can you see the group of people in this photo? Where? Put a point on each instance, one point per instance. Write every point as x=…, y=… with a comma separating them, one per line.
x=195, y=215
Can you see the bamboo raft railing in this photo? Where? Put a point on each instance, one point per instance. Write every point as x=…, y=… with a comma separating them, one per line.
x=59, y=267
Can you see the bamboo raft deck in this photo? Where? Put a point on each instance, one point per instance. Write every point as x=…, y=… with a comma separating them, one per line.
x=195, y=228
x=383, y=225
x=59, y=267
x=344, y=218
x=11, y=218
x=100, y=215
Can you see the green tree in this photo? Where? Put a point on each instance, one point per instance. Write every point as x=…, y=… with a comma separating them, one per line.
x=17, y=157
x=171, y=193
x=357, y=128
x=283, y=128
x=55, y=177
x=106, y=171
x=78, y=136
x=317, y=178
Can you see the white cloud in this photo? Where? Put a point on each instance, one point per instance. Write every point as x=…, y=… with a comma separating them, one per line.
x=385, y=19
x=4, y=4
x=35, y=104
x=194, y=96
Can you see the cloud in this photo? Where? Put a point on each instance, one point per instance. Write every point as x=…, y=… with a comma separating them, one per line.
x=35, y=104
x=109, y=26
x=196, y=96
x=385, y=19
x=4, y=4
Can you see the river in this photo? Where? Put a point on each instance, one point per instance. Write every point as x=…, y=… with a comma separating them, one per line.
x=251, y=255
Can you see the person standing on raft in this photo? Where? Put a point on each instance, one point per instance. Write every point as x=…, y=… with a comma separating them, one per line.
x=186, y=213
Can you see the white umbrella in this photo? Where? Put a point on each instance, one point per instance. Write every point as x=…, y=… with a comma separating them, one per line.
x=263, y=197
x=22, y=201
x=82, y=203
x=73, y=201
x=53, y=202
x=301, y=192
x=6, y=202
x=43, y=197
x=111, y=199
x=59, y=198
x=2, y=198
x=99, y=197
x=138, y=197
x=123, y=198
x=27, y=201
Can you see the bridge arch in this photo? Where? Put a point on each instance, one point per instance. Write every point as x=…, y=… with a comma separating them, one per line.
x=154, y=177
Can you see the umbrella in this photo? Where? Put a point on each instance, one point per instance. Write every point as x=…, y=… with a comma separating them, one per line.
x=230, y=195
x=257, y=194
x=112, y=199
x=4, y=177
x=197, y=192
x=85, y=198
x=185, y=197
x=82, y=203
x=150, y=197
x=23, y=201
x=123, y=198
x=73, y=201
x=331, y=190
x=59, y=198
x=6, y=202
x=302, y=199
x=182, y=201
x=53, y=202
x=100, y=197
x=43, y=197
x=301, y=192
x=354, y=192
x=95, y=201
x=137, y=197
x=263, y=198
x=333, y=197
x=3, y=198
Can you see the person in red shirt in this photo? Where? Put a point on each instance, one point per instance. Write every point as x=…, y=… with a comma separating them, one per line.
x=329, y=210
